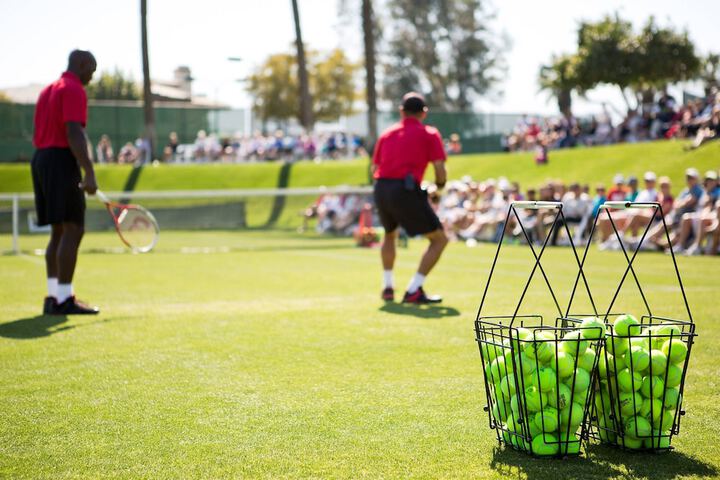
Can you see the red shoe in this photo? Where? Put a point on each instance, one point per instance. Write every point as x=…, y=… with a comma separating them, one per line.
x=73, y=306
x=388, y=294
x=420, y=297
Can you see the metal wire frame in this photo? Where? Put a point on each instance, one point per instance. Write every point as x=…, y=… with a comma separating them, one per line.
x=615, y=433
x=500, y=332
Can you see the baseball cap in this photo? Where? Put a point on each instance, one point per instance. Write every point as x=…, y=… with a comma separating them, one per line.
x=632, y=179
x=649, y=176
x=692, y=172
x=618, y=179
x=413, y=102
x=711, y=174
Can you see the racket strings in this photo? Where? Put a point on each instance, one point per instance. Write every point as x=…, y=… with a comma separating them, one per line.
x=138, y=228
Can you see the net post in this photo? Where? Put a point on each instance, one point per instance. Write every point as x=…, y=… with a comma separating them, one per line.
x=15, y=224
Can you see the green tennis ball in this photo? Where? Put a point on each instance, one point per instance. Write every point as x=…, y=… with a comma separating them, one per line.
x=673, y=376
x=565, y=364
x=545, y=379
x=658, y=440
x=667, y=331
x=629, y=381
x=532, y=427
x=603, y=407
x=545, y=444
x=658, y=362
x=534, y=399
x=631, y=442
x=569, y=444
x=547, y=419
x=606, y=433
x=592, y=328
x=542, y=348
x=638, y=427
x=490, y=352
x=498, y=369
x=519, y=443
x=637, y=359
x=571, y=415
x=641, y=341
x=602, y=363
x=617, y=345
x=587, y=360
x=651, y=409
x=652, y=387
x=528, y=380
x=525, y=363
x=561, y=397
x=582, y=380
x=630, y=403
x=507, y=386
x=672, y=397
x=676, y=350
x=501, y=411
x=573, y=343
x=519, y=336
x=623, y=323
x=667, y=420
x=514, y=406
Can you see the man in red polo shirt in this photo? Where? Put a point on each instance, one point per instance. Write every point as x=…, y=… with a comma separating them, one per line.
x=402, y=154
x=61, y=150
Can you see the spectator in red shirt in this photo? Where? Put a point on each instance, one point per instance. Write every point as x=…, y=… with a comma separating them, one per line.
x=61, y=150
x=402, y=154
x=617, y=193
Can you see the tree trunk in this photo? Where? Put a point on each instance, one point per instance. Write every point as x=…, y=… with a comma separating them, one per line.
x=147, y=92
x=305, y=101
x=564, y=99
x=368, y=25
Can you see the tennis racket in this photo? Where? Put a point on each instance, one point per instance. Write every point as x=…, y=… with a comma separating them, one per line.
x=135, y=225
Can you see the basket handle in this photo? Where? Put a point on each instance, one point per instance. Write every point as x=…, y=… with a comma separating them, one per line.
x=622, y=205
x=536, y=205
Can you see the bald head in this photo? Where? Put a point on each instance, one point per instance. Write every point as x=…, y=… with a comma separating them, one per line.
x=82, y=63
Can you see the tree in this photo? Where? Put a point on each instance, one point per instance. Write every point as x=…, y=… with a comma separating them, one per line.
x=113, y=85
x=560, y=80
x=369, y=32
x=274, y=88
x=306, y=118
x=331, y=83
x=710, y=72
x=610, y=53
x=147, y=93
x=333, y=86
x=444, y=49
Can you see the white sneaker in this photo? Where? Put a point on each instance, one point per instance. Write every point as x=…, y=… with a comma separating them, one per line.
x=692, y=250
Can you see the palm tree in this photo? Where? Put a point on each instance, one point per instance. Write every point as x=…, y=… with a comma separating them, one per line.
x=305, y=101
x=368, y=26
x=559, y=79
x=147, y=93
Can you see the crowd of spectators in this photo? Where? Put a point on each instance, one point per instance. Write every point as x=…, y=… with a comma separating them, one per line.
x=698, y=120
x=474, y=211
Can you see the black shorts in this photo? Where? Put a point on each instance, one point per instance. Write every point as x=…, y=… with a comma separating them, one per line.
x=409, y=209
x=58, y=198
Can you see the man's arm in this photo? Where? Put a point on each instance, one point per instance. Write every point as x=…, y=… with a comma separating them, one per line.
x=440, y=173
x=76, y=139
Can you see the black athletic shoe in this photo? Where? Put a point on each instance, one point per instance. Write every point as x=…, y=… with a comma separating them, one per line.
x=72, y=306
x=49, y=305
x=388, y=294
x=420, y=297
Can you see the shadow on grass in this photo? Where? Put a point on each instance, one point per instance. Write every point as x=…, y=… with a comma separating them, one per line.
x=422, y=311
x=43, y=326
x=34, y=327
x=600, y=462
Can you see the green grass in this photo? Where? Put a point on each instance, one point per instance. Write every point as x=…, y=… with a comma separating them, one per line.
x=266, y=355
x=585, y=165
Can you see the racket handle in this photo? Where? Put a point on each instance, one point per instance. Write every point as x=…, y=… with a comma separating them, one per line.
x=101, y=196
x=536, y=205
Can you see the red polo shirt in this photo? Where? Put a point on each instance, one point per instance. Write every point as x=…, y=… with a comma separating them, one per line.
x=407, y=147
x=60, y=102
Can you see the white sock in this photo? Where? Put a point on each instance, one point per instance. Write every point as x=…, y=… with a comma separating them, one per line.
x=52, y=284
x=417, y=281
x=388, y=279
x=64, y=291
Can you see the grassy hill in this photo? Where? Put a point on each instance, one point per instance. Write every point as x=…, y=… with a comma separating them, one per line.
x=585, y=165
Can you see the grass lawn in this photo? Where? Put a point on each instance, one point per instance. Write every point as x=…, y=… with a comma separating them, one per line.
x=266, y=355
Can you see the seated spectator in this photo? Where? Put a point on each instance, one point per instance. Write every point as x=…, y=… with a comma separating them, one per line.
x=104, y=150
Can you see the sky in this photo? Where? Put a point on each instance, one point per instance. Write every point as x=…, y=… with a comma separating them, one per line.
x=37, y=35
